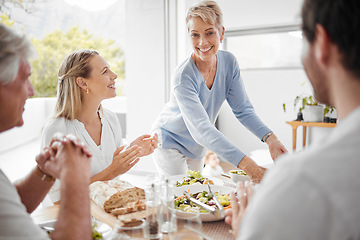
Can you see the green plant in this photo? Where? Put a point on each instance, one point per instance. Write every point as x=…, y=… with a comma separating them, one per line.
x=328, y=109
x=301, y=101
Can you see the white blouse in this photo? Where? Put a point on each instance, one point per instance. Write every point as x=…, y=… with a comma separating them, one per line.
x=102, y=155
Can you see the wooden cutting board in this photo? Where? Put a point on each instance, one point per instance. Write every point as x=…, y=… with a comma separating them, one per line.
x=101, y=215
x=51, y=213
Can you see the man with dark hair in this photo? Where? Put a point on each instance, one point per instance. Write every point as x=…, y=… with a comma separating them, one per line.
x=66, y=159
x=316, y=194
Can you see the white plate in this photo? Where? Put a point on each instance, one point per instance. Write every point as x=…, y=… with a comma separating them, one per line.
x=102, y=228
x=195, y=188
x=180, y=178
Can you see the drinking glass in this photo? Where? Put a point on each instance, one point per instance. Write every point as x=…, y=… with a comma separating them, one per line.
x=168, y=221
x=122, y=232
x=189, y=227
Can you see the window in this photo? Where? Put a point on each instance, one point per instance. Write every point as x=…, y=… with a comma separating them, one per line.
x=266, y=48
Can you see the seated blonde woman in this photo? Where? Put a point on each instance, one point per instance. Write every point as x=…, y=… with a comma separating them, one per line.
x=85, y=79
x=212, y=165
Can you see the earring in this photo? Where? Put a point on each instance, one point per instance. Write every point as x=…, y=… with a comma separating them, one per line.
x=87, y=91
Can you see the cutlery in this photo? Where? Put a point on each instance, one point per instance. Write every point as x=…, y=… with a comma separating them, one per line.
x=225, y=175
x=201, y=204
x=48, y=229
x=220, y=213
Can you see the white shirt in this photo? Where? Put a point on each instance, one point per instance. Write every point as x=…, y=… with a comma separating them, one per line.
x=15, y=222
x=311, y=195
x=102, y=155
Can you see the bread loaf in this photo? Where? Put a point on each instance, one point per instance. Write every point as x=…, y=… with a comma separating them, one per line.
x=133, y=216
x=114, y=194
x=129, y=208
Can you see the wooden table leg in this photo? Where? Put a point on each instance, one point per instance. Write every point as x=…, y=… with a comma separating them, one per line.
x=304, y=136
x=294, y=137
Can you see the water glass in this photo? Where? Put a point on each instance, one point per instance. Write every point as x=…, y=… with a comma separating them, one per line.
x=189, y=227
x=168, y=221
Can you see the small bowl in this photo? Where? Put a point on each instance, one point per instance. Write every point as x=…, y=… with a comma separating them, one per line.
x=238, y=175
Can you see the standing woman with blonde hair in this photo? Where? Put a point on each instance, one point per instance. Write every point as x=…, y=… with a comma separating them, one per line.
x=200, y=86
x=85, y=79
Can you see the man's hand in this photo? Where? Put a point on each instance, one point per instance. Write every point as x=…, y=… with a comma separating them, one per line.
x=234, y=215
x=64, y=152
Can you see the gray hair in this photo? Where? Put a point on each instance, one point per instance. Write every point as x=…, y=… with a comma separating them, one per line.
x=208, y=11
x=13, y=49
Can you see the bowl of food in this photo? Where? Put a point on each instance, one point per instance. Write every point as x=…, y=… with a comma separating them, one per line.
x=184, y=207
x=238, y=175
x=189, y=178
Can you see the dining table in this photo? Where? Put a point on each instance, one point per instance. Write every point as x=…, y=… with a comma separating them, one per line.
x=211, y=230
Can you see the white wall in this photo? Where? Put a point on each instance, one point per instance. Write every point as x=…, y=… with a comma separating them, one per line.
x=267, y=90
x=34, y=116
x=145, y=72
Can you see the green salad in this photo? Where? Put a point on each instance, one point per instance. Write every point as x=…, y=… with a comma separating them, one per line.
x=193, y=177
x=183, y=203
x=238, y=172
x=96, y=235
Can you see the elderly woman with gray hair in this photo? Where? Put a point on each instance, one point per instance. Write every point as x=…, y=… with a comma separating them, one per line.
x=200, y=86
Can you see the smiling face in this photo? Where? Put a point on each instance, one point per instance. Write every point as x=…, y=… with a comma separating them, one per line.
x=205, y=38
x=13, y=97
x=101, y=82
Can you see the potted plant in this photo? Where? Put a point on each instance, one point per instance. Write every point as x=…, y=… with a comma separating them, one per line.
x=309, y=109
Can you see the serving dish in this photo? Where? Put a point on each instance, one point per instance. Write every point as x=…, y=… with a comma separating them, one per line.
x=237, y=176
x=195, y=188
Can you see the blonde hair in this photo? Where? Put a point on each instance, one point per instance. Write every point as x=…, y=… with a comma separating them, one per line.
x=14, y=48
x=75, y=65
x=207, y=156
x=208, y=11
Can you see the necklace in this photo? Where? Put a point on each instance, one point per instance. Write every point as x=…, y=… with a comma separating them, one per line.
x=208, y=74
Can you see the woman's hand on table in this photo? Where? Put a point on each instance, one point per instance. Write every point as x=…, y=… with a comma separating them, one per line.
x=234, y=215
x=147, y=143
x=276, y=148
